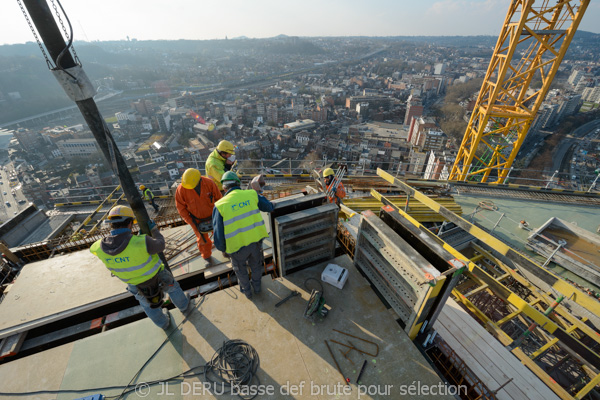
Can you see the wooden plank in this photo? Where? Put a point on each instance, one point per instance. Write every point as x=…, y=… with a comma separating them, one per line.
x=499, y=355
x=473, y=364
x=476, y=358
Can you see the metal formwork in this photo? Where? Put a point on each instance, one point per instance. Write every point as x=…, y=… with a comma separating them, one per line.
x=306, y=236
x=401, y=275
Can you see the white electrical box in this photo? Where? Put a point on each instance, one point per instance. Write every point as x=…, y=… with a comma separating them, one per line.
x=335, y=275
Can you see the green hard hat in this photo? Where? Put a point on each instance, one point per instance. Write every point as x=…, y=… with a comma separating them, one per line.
x=230, y=176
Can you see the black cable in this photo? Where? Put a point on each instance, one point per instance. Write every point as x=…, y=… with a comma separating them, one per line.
x=62, y=53
x=316, y=280
x=234, y=364
x=202, y=297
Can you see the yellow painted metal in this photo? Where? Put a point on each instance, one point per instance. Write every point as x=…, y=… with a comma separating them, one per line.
x=567, y=290
x=89, y=217
x=479, y=275
x=507, y=104
x=587, y=388
x=432, y=293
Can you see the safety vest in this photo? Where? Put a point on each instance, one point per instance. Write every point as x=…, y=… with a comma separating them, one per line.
x=133, y=265
x=215, y=168
x=242, y=221
x=148, y=194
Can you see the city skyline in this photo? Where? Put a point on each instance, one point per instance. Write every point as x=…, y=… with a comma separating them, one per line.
x=185, y=19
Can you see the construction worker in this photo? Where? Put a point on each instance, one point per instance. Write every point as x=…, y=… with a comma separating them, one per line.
x=134, y=260
x=338, y=188
x=148, y=195
x=220, y=161
x=78, y=236
x=195, y=199
x=240, y=229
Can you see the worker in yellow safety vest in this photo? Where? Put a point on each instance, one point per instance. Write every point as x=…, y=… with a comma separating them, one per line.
x=239, y=230
x=134, y=260
x=149, y=196
x=220, y=161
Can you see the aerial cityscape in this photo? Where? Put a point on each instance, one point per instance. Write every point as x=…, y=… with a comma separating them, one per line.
x=454, y=177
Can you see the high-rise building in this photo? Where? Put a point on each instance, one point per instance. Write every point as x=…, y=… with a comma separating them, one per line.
x=591, y=94
x=29, y=140
x=414, y=108
x=297, y=106
x=272, y=114
x=575, y=77
x=143, y=107
x=418, y=124
x=569, y=106
x=439, y=69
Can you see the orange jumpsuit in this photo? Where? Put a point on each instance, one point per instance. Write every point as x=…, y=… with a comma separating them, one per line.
x=188, y=202
x=340, y=193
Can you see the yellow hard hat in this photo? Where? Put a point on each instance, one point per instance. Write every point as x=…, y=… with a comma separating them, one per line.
x=226, y=147
x=120, y=214
x=328, y=172
x=142, y=187
x=190, y=178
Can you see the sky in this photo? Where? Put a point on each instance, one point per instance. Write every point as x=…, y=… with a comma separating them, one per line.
x=199, y=20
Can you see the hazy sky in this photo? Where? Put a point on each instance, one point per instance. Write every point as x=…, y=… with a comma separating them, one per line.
x=196, y=19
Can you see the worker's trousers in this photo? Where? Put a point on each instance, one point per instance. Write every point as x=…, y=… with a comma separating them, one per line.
x=204, y=244
x=169, y=286
x=153, y=204
x=248, y=256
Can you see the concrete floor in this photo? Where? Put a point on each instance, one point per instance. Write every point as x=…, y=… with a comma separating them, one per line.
x=291, y=348
x=536, y=214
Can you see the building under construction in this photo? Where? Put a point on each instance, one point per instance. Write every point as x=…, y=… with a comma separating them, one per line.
x=453, y=289
x=441, y=290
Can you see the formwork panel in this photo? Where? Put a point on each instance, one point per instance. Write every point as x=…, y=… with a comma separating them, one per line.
x=398, y=271
x=306, y=236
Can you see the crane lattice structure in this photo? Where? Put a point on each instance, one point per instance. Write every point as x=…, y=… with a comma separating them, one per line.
x=533, y=42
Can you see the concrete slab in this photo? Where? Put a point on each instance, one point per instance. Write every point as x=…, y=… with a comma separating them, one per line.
x=292, y=349
x=114, y=357
x=41, y=371
x=58, y=285
x=293, y=355
x=536, y=214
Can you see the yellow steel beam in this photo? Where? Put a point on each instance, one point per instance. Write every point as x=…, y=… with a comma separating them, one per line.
x=89, y=217
x=560, y=310
x=569, y=291
x=503, y=108
x=492, y=327
x=587, y=388
x=526, y=309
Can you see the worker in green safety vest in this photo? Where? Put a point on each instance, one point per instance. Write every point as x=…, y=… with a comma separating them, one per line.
x=149, y=196
x=239, y=230
x=134, y=260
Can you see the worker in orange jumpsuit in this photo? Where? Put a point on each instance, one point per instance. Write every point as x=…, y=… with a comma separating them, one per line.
x=338, y=191
x=195, y=199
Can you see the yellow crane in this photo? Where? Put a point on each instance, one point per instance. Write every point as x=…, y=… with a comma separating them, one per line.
x=533, y=42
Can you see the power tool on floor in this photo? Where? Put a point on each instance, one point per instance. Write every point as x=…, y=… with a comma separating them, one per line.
x=315, y=305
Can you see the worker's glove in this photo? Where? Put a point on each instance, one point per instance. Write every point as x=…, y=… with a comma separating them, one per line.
x=151, y=224
x=257, y=183
x=226, y=255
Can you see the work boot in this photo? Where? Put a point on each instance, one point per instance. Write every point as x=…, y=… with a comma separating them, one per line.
x=208, y=262
x=247, y=293
x=190, y=307
x=168, y=323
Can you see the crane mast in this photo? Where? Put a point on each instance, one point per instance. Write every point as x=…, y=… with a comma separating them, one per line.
x=533, y=42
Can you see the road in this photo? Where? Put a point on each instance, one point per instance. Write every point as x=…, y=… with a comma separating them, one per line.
x=572, y=138
x=9, y=205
